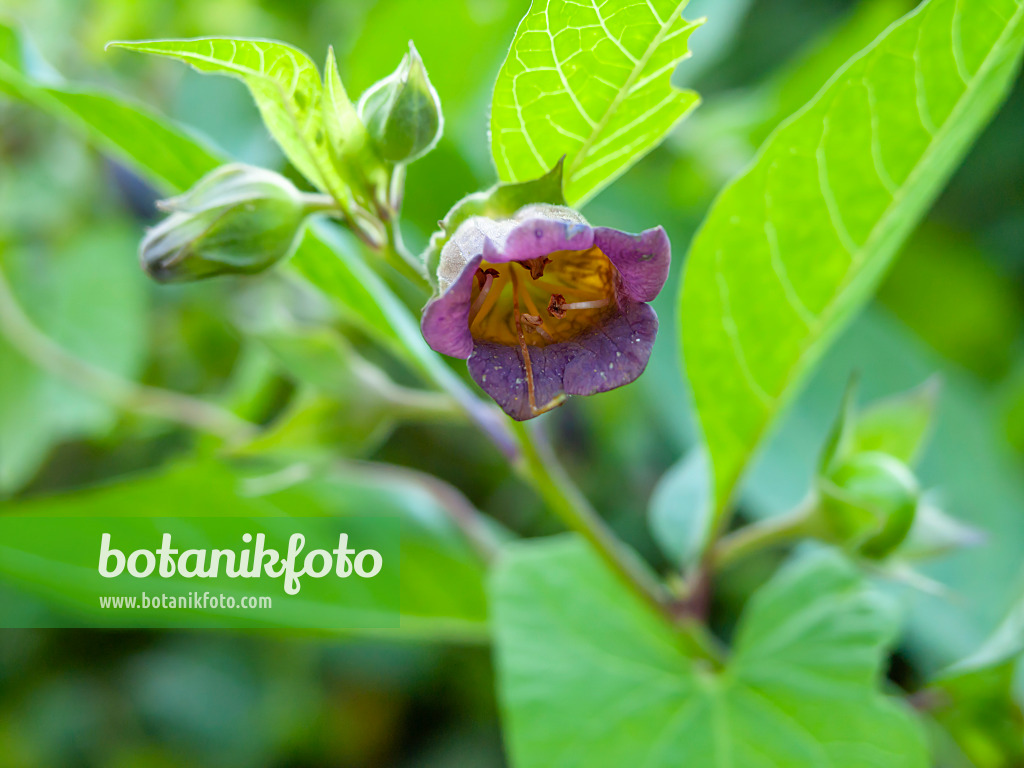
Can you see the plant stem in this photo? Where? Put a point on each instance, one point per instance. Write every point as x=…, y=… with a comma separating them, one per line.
x=425, y=407
x=539, y=466
x=22, y=334
x=398, y=256
x=772, y=532
x=317, y=203
x=492, y=422
x=474, y=527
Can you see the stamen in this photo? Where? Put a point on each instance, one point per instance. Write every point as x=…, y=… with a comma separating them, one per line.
x=483, y=274
x=599, y=304
x=531, y=389
x=558, y=307
x=485, y=277
x=535, y=266
x=518, y=317
x=537, y=325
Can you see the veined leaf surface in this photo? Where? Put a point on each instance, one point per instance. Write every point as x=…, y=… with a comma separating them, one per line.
x=590, y=676
x=793, y=248
x=284, y=83
x=359, y=295
x=591, y=81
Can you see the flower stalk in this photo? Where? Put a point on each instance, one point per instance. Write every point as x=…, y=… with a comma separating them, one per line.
x=801, y=522
x=22, y=334
x=546, y=475
x=398, y=256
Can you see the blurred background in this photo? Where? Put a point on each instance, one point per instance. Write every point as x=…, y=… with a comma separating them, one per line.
x=70, y=221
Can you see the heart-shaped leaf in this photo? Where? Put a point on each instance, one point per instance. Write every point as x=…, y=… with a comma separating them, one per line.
x=590, y=676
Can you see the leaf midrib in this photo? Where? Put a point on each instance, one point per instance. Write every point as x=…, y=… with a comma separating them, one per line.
x=828, y=314
x=623, y=93
x=151, y=46
x=324, y=177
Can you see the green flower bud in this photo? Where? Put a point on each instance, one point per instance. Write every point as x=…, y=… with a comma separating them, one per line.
x=236, y=220
x=868, y=503
x=402, y=112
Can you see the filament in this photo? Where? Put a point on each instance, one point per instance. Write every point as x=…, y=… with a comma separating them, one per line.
x=558, y=306
x=518, y=316
x=484, y=290
x=488, y=304
x=598, y=304
x=537, y=324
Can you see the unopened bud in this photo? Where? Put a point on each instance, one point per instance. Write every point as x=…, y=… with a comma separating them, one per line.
x=236, y=220
x=402, y=112
x=868, y=503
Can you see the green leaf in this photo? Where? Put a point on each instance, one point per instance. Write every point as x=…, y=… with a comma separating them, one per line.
x=588, y=675
x=441, y=578
x=353, y=289
x=283, y=82
x=840, y=439
x=796, y=246
x=498, y=202
x=59, y=291
x=974, y=701
x=899, y=425
x=1003, y=648
x=591, y=81
x=797, y=81
x=166, y=154
x=349, y=143
x=681, y=506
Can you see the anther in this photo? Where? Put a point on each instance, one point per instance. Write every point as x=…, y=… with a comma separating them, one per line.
x=485, y=278
x=558, y=307
x=536, y=266
x=483, y=274
x=536, y=323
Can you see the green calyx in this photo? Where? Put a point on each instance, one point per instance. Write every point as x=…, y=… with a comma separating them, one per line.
x=236, y=220
x=402, y=112
x=499, y=202
x=868, y=503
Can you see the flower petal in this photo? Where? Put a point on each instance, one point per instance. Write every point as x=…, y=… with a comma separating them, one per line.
x=599, y=360
x=534, y=238
x=642, y=260
x=445, y=321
